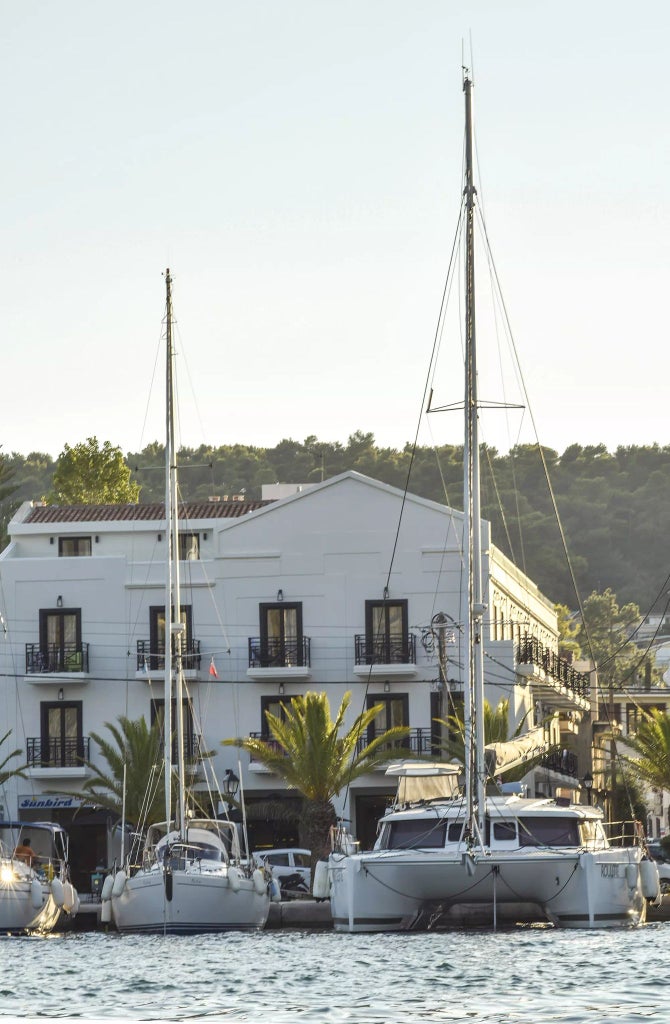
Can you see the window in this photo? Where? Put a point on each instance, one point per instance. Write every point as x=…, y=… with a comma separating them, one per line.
x=504, y=831
x=281, y=640
x=156, y=658
x=61, y=740
x=387, y=640
x=455, y=831
x=190, y=744
x=73, y=547
x=420, y=833
x=189, y=547
x=394, y=711
x=60, y=640
x=275, y=706
x=634, y=712
x=548, y=832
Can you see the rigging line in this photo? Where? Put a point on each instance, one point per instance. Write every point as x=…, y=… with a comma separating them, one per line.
x=159, y=348
x=540, y=450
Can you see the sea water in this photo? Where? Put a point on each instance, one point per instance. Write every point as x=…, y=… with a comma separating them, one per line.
x=529, y=975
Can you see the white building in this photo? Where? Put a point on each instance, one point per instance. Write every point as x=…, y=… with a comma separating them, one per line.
x=329, y=589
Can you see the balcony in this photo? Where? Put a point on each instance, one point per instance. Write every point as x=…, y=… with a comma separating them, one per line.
x=258, y=766
x=420, y=742
x=551, y=678
x=151, y=657
x=57, y=758
x=277, y=658
x=50, y=663
x=390, y=655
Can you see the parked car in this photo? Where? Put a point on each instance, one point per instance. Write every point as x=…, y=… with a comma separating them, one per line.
x=290, y=867
x=661, y=855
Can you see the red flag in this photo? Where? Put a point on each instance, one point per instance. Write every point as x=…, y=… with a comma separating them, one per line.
x=212, y=669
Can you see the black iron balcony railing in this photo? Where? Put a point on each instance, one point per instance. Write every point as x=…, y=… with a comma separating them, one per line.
x=390, y=649
x=562, y=761
x=531, y=652
x=56, y=658
x=273, y=652
x=421, y=742
x=151, y=657
x=71, y=752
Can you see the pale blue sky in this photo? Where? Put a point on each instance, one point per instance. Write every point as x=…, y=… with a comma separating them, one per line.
x=297, y=165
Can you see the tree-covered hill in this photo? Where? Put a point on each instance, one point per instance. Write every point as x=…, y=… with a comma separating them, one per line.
x=614, y=507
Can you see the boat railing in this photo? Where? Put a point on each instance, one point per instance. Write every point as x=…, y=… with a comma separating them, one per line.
x=624, y=833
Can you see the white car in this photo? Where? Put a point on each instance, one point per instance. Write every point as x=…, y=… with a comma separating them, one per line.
x=290, y=867
x=662, y=857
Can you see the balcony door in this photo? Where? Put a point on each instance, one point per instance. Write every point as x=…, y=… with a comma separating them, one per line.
x=157, y=635
x=386, y=632
x=281, y=635
x=62, y=744
x=60, y=638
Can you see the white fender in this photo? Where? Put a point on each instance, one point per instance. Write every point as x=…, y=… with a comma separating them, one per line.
x=259, y=882
x=321, y=887
x=106, y=912
x=106, y=893
x=69, y=897
x=631, y=875
x=36, y=894
x=649, y=879
x=58, y=892
x=119, y=883
x=275, y=891
x=234, y=879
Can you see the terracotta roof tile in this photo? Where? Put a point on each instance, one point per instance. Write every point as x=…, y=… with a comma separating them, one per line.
x=140, y=513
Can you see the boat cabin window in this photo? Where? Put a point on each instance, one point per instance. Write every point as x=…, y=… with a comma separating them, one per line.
x=548, y=832
x=504, y=831
x=418, y=833
x=591, y=832
x=455, y=831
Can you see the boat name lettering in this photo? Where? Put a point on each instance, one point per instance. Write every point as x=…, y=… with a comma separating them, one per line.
x=609, y=870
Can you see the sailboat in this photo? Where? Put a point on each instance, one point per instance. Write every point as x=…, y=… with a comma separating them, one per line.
x=451, y=854
x=36, y=894
x=194, y=876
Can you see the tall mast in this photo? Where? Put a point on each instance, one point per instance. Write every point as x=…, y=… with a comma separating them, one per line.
x=474, y=681
x=173, y=625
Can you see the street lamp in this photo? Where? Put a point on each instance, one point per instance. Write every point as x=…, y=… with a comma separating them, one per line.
x=587, y=783
x=230, y=784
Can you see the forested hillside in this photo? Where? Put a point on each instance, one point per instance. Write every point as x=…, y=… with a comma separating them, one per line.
x=614, y=507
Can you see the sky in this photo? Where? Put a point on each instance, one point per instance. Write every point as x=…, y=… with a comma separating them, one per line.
x=297, y=164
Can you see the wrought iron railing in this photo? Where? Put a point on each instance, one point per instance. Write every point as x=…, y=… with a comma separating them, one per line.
x=56, y=658
x=151, y=657
x=389, y=649
x=421, y=742
x=531, y=652
x=563, y=761
x=275, y=652
x=70, y=752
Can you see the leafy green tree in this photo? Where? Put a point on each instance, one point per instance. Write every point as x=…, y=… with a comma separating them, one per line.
x=606, y=635
x=10, y=773
x=311, y=753
x=89, y=475
x=568, y=631
x=134, y=755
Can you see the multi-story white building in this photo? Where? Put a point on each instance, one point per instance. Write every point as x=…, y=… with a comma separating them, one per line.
x=348, y=586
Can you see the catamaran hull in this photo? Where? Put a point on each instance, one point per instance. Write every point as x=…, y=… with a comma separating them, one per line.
x=402, y=891
x=197, y=903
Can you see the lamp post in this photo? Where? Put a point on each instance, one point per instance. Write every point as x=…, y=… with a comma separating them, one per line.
x=587, y=783
x=230, y=784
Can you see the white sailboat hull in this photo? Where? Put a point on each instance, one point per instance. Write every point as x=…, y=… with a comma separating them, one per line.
x=200, y=902
x=18, y=912
x=392, y=890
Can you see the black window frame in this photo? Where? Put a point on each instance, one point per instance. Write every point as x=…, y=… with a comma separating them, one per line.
x=70, y=756
x=157, y=710
x=281, y=650
x=76, y=541
x=186, y=537
x=386, y=646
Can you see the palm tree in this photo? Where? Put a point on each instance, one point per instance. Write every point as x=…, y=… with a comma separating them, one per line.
x=496, y=730
x=10, y=773
x=651, y=744
x=308, y=751
x=134, y=760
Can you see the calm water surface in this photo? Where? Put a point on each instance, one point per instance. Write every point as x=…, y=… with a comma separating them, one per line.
x=532, y=975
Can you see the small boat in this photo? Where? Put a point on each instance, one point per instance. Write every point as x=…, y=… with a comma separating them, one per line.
x=193, y=875
x=451, y=853
x=36, y=894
